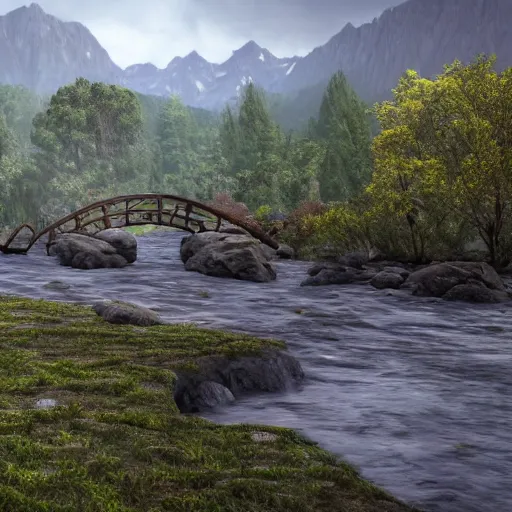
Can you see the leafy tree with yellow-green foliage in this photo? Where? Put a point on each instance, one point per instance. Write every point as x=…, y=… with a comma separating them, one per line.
x=444, y=155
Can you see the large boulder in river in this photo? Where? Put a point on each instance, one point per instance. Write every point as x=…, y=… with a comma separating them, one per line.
x=85, y=252
x=225, y=255
x=444, y=280
x=123, y=242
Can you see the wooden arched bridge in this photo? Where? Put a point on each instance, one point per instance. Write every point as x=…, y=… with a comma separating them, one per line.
x=134, y=210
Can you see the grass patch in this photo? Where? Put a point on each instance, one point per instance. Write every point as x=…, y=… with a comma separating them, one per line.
x=116, y=441
x=146, y=229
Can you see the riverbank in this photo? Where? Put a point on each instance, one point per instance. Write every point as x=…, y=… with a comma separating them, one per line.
x=115, y=439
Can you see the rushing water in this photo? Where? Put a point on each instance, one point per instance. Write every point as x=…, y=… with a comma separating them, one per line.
x=417, y=393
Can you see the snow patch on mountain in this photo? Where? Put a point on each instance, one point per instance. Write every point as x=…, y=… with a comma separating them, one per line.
x=291, y=68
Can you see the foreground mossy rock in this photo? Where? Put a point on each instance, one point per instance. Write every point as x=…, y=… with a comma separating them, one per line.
x=88, y=252
x=438, y=280
x=227, y=255
x=268, y=371
x=124, y=313
x=88, y=421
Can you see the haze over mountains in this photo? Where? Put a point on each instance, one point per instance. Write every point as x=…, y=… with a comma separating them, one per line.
x=43, y=53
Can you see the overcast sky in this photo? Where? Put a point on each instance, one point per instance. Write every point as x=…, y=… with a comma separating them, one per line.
x=137, y=31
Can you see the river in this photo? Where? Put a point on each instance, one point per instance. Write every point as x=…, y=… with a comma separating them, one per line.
x=416, y=393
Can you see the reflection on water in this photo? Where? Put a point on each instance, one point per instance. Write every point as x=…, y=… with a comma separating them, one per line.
x=415, y=392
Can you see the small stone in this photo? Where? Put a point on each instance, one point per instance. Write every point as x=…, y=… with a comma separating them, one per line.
x=263, y=437
x=46, y=403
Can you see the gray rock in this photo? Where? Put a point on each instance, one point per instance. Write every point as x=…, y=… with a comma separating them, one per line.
x=270, y=371
x=387, y=280
x=269, y=253
x=116, y=312
x=439, y=279
x=95, y=260
x=354, y=260
x=436, y=280
x=212, y=394
x=336, y=274
x=483, y=272
x=224, y=255
x=263, y=437
x=234, y=230
x=285, y=252
x=398, y=270
x=318, y=267
x=477, y=293
x=123, y=242
x=329, y=276
x=192, y=244
x=46, y=403
x=85, y=252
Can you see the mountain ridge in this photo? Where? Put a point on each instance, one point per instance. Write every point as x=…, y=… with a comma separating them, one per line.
x=43, y=53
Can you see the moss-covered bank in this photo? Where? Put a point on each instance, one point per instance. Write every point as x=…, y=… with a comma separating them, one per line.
x=116, y=441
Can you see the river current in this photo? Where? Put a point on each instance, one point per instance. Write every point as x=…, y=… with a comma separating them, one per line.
x=416, y=393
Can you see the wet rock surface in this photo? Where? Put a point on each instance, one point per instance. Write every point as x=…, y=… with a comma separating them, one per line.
x=455, y=281
x=226, y=255
x=123, y=242
x=112, y=248
x=116, y=312
x=219, y=378
x=473, y=282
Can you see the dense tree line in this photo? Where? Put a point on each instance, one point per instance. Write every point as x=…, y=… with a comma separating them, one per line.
x=442, y=171
x=92, y=140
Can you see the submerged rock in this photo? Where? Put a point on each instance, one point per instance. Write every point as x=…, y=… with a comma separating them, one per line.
x=271, y=371
x=116, y=312
x=225, y=255
x=57, y=285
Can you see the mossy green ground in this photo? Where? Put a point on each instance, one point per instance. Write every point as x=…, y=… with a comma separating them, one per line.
x=146, y=229
x=117, y=442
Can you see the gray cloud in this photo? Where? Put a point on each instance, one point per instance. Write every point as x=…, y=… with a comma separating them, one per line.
x=157, y=30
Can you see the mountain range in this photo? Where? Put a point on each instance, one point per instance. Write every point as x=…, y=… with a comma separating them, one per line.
x=41, y=52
